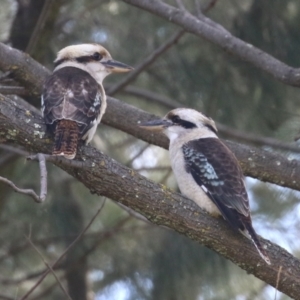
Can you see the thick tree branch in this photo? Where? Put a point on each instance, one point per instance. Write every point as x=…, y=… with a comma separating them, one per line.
x=104, y=176
x=25, y=70
x=264, y=165
x=216, y=34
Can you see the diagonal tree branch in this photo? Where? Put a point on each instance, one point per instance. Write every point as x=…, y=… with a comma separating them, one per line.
x=216, y=34
x=28, y=192
x=146, y=63
x=264, y=165
x=104, y=176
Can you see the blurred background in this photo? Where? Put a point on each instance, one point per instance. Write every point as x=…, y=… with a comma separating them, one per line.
x=122, y=256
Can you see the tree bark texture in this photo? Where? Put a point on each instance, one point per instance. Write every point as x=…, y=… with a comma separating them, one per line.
x=257, y=163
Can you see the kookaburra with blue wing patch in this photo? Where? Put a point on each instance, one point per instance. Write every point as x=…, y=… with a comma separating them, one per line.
x=207, y=172
x=73, y=99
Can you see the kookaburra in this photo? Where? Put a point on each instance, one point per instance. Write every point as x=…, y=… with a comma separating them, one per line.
x=206, y=171
x=73, y=99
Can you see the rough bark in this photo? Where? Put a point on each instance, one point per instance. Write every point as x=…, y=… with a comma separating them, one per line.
x=104, y=176
x=264, y=165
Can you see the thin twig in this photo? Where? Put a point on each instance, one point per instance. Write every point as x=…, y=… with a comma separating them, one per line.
x=49, y=267
x=43, y=172
x=181, y=5
x=141, y=151
x=39, y=26
x=28, y=192
x=133, y=213
x=153, y=169
x=153, y=97
x=64, y=253
x=277, y=281
x=15, y=90
x=146, y=63
x=257, y=140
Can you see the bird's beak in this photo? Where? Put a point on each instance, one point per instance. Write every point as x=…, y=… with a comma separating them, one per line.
x=116, y=66
x=156, y=125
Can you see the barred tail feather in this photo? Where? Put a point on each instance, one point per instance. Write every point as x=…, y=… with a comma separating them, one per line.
x=250, y=233
x=66, y=139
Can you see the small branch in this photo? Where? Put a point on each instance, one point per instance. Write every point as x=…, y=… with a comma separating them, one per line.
x=133, y=213
x=181, y=5
x=146, y=63
x=256, y=140
x=277, y=281
x=147, y=95
x=151, y=169
x=28, y=192
x=216, y=34
x=49, y=267
x=15, y=90
x=43, y=172
x=39, y=26
x=140, y=152
x=64, y=253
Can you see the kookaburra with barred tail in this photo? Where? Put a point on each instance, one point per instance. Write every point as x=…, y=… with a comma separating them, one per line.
x=207, y=172
x=73, y=99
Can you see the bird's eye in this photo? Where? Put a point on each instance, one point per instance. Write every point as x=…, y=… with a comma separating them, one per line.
x=97, y=56
x=175, y=119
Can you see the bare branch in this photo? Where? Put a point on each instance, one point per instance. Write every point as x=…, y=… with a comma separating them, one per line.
x=104, y=176
x=18, y=64
x=28, y=192
x=108, y=178
x=133, y=213
x=256, y=163
x=277, y=281
x=163, y=207
x=43, y=172
x=216, y=34
x=64, y=253
x=39, y=26
x=147, y=95
x=49, y=267
x=27, y=129
x=146, y=63
x=16, y=90
x=257, y=140
x=180, y=4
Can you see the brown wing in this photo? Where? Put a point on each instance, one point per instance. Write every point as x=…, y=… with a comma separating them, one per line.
x=215, y=168
x=71, y=94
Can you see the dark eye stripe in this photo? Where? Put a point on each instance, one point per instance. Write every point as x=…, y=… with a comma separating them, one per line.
x=57, y=63
x=85, y=59
x=183, y=123
x=211, y=128
x=81, y=59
